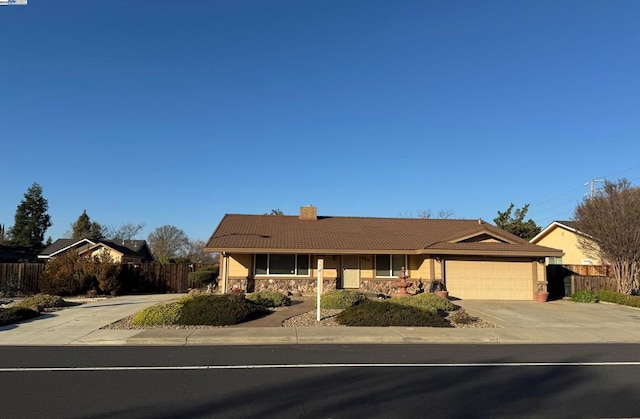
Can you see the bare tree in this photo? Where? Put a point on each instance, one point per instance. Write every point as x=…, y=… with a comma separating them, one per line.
x=127, y=231
x=168, y=242
x=446, y=213
x=197, y=254
x=611, y=221
x=426, y=214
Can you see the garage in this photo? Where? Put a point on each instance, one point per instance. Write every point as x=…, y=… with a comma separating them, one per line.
x=490, y=280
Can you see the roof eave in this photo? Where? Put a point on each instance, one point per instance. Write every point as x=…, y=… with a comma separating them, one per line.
x=430, y=251
x=509, y=253
x=249, y=250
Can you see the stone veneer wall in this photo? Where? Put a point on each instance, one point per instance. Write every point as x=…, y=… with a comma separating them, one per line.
x=388, y=287
x=308, y=286
x=284, y=286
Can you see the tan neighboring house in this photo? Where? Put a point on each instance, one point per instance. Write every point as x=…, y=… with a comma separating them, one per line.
x=121, y=251
x=565, y=236
x=474, y=259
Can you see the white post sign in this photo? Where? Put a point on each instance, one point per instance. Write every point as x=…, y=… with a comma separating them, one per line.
x=319, y=287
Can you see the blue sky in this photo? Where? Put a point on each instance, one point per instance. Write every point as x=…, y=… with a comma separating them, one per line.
x=176, y=113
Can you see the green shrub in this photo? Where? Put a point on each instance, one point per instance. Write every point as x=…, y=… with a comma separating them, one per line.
x=16, y=314
x=341, y=299
x=42, y=300
x=269, y=299
x=619, y=298
x=202, y=277
x=384, y=313
x=218, y=310
x=425, y=301
x=209, y=268
x=158, y=315
x=584, y=296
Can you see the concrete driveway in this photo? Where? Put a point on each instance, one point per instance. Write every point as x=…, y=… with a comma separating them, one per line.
x=575, y=321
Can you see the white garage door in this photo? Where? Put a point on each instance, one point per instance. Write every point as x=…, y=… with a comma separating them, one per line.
x=489, y=280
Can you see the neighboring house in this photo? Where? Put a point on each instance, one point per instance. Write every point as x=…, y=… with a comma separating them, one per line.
x=475, y=260
x=565, y=236
x=121, y=251
x=62, y=245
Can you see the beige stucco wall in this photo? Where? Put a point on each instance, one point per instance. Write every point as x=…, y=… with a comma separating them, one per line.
x=115, y=256
x=567, y=241
x=366, y=266
x=331, y=266
x=239, y=266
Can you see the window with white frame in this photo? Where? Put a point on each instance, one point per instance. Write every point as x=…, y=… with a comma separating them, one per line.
x=282, y=264
x=390, y=266
x=555, y=260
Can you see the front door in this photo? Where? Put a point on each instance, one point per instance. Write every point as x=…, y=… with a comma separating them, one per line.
x=350, y=271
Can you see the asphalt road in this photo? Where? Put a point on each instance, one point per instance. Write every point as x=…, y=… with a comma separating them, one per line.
x=322, y=381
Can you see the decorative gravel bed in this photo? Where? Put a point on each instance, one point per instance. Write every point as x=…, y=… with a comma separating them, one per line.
x=308, y=319
x=328, y=320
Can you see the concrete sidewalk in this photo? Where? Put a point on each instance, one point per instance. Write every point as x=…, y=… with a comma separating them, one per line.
x=516, y=321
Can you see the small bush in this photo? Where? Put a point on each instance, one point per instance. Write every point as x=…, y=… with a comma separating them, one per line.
x=461, y=317
x=341, y=299
x=218, y=310
x=202, y=277
x=384, y=313
x=269, y=299
x=158, y=315
x=584, y=296
x=210, y=268
x=42, y=300
x=16, y=314
x=619, y=298
x=425, y=301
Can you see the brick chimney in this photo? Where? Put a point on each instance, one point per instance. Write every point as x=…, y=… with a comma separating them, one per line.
x=308, y=212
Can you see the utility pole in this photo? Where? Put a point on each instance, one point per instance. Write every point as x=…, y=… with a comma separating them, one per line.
x=592, y=189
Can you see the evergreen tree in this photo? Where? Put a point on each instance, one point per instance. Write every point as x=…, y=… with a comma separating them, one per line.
x=31, y=220
x=515, y=224
x=84, y=228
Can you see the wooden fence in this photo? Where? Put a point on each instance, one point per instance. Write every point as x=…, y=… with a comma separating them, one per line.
x=592, y=283
x=564, y=280
x=152, y=277
x=20, y=278
x=158, y=278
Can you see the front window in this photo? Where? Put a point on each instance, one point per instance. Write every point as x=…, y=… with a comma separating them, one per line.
x=390, y=266
x=282, y=264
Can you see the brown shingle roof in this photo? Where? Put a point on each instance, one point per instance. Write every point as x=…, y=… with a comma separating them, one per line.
x=272, y=233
